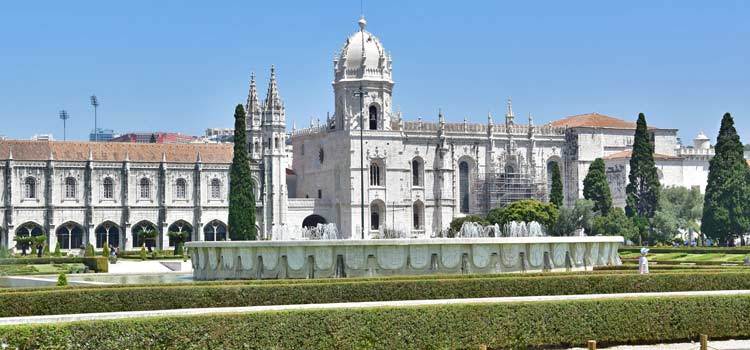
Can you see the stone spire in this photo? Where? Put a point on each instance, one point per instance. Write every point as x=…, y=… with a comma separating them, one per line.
x=490, y=125
x=252, y=107
x=273, y=107
x=509, y=113
x=531, y=126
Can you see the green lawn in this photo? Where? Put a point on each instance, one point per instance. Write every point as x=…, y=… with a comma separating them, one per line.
x=40, y=269
x=687, y=257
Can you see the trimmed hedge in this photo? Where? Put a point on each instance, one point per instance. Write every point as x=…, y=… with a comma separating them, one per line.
x=95, y=263
x=502, y=325
x=158, y=297
x=688, y=250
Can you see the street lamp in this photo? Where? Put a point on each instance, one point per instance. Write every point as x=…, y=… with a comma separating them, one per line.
x=95, y=103
x=361, y=94
x=64, y=116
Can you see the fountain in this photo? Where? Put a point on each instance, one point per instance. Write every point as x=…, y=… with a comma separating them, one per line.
x=321, y=251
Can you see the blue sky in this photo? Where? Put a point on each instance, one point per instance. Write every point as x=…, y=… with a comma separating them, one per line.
x=184, y=65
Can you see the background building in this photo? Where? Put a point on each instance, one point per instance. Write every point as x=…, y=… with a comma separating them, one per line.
x=154, y=137
x=102, y=135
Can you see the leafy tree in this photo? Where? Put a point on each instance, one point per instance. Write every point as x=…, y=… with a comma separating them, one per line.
x=105, y=250
x=89, y=251
x=179, y=239
x=556, y=192
x=241, y=195
x=526, y=210
x=572, y=219
x=680, y=210
x=596, y=187
x=726, y=208
x=643, y=182
x=456, y=224
x=615, y=223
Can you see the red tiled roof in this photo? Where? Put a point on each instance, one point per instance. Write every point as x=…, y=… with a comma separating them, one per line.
x=115, y=151
x=593, y=120
x=627, y=153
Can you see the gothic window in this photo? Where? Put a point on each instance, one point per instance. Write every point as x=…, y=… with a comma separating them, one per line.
x=417, y=169
x=321, y=155
x=70, y=187
x=215, y=189
x=374, y=217
x=418, y=215
x=276, y=143
x=320, y=194
x=109, y=190
x=144, y=188
x=29, y=188
x=463, y=186
x=181, y=189
x=215, y=231
x=257, y=146
x=375, y=176
x=373, y=117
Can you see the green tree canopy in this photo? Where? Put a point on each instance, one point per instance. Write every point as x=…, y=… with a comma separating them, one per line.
x=456, y=223
x=526, y=210
x=680, y=210
x=241, y=195
x=580, y=216
x=596, y=187
x=643, y=186
x=615, y=223
x=726, y=208
x=556, y=190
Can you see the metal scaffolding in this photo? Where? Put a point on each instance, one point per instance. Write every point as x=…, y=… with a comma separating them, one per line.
x=493, y=190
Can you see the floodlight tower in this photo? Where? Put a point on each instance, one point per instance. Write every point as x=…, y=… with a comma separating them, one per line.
x=95, y=103
x=64, y=116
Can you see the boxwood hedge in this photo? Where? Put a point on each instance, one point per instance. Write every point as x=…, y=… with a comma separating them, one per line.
x=157, y=297
x=503, y=325
x=95, y=263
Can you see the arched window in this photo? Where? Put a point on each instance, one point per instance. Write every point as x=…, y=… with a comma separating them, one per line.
x=70, y=236
x=215, y=188
x=374, y=219
x=373, y=117
x=29, y=188
x=181, y=188
x=107, y=233
x=70, y=187
x=215, y=231
x=418, y=215
x=144, y=188
x=463, y=186
x=276, y=144
x=145, y=233
x=257, y=146
x=108, y=188
x=181, y=227
x=375, y=175
x=417, y=169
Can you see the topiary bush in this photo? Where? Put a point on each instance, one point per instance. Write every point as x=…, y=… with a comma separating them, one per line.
x=143, y=253
x=62, y=280
x=57, y=250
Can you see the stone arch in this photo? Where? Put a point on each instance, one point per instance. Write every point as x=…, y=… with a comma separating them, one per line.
x=313, y=221
x=215, y=230
x=377, y=215
x=466, y=172
x=108, y=233
x=180, y=226
x=141, y=228
x=70, y=235
x=28, y=229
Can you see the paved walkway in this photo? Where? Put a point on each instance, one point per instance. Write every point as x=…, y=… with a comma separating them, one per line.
x=126, y=266
x=360, y=305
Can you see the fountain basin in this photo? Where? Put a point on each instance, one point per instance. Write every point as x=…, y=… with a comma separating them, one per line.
x=384, y=257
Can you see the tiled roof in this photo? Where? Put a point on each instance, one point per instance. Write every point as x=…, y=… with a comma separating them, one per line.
x=594, y=120
x=115, y=151
x=627, y=153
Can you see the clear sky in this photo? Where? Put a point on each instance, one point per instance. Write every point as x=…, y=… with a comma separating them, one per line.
x=184, y=65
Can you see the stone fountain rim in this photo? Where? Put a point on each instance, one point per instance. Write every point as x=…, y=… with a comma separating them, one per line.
x=410, y=241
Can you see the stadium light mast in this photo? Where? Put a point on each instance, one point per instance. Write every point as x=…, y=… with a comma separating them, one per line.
x=64, y=116
x=361, y=94
x=95, y=103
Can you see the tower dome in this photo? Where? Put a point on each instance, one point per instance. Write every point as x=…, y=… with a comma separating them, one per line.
x=362, y=57
x=702, y=141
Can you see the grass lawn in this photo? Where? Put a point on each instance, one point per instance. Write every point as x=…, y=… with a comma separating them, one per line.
x=687, y=257
x=40, y=269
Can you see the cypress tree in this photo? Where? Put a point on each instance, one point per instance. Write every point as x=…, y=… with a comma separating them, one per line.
x=596, y=187
x=643, y=182
x=556, y=192
x=725, y=208
x=241, y=195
